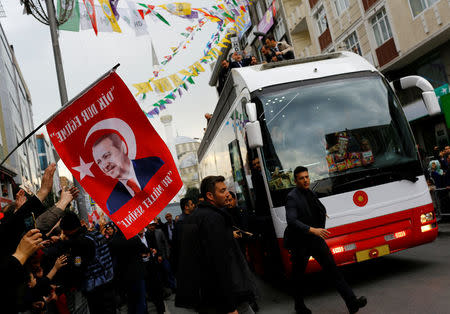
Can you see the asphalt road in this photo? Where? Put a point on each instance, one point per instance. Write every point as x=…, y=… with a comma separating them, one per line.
x=413, y=281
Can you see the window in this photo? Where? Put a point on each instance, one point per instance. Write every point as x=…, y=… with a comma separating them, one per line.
x=417, y=6
x=341, y=6
x=381, y=27
x=352, y=43
x=321, y=19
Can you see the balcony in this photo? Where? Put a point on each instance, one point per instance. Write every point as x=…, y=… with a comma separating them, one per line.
x=367, y=4
x=325, y=39
x=312, y=3
x=386, y=52
x=297, y=19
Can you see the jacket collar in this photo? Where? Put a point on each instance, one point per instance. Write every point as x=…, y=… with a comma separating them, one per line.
x=221, y=211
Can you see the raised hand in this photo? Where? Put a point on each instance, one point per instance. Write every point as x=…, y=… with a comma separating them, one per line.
x=47, y=182
x=29, y=244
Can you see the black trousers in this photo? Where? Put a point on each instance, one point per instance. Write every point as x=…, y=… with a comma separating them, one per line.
x=317, y=248
x=102, y=300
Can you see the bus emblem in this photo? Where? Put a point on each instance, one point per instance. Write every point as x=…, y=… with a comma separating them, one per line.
x=360, y=198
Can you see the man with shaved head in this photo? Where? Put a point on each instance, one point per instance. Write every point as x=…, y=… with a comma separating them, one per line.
x=110, y=154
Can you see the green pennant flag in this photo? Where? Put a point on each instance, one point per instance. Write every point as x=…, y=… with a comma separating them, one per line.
x=190, y=80
x=161, y=18
x=185, y=86
x=170, y=96
x=162, y=102
x=73, y=23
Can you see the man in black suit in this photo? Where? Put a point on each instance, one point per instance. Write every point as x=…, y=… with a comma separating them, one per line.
x=305, y=236
x=239, y=62
x=109, y=153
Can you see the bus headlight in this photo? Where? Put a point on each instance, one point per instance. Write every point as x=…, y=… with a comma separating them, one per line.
x=424, y=218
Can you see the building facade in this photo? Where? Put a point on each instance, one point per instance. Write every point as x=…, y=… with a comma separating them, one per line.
x=16, y=122
x=46, y=155
x=186, y=148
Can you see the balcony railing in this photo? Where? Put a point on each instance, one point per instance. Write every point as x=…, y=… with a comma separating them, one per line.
x=325, y=39
x=386, y=52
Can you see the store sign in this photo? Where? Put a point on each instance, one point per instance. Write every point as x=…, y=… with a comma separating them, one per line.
x=235, y=44
x=441, y=91
x=266, y=22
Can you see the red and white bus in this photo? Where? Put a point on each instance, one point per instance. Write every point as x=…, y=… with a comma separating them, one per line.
x=338, y=116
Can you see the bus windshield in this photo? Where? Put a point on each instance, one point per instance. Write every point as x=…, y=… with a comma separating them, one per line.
x=349, y=131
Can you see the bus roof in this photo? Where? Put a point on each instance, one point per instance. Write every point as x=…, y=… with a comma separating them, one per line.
x=259, y=76
x=269, y=74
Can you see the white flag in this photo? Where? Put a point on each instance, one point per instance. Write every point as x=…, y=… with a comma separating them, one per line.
x=103, y=23
x=137, y=23
x=85, y=20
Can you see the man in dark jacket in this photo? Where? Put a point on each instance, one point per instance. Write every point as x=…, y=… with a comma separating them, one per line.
x=89, y=264
x=213, y=276
x=305, y=236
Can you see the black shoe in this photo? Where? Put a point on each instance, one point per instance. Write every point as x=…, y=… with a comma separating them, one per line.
x=356, y=304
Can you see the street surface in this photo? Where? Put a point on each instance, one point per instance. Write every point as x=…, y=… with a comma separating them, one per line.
x=412, y=281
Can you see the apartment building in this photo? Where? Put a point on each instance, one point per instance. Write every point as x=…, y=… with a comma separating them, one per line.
x=16, y=121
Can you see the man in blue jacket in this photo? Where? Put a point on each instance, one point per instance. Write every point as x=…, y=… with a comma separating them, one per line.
x=305, y=236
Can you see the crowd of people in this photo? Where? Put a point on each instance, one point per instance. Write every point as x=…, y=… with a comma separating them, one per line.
x=438, y=177
x=272, y=51
x=53, y=262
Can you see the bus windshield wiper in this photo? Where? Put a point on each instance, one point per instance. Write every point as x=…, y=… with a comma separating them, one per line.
x=396, y=175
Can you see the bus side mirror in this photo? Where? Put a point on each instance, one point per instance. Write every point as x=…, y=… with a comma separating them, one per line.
x=253, y=128
x=428, y=95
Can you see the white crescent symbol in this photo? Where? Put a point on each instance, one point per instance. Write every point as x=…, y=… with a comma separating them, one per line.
x=122, y=128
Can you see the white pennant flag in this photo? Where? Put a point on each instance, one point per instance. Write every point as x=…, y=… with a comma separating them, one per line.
x=103, y=23
x=85, y=20
x=137, y=23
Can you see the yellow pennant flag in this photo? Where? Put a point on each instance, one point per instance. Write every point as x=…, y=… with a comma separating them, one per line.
x=176, y=80
x=225, y=40
x=194, y=71
x=199, y=67
x=177, y=8
x=222, y=45
x=143, y=88
x=218, y=51
x=163, y=85
x=185, y=73
x=110, y=15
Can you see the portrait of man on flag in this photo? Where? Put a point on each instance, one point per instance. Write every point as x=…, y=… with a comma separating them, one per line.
x=106, y=141
x=110, y=155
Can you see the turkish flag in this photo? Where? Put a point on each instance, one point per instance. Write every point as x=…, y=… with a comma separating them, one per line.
x=108, y=144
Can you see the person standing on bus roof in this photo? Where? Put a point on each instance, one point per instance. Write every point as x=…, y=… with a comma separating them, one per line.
x=305, y=236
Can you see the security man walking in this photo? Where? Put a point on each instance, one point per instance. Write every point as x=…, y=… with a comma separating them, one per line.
x=305, y=236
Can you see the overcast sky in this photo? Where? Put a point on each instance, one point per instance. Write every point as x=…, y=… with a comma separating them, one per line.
x=86, y=57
